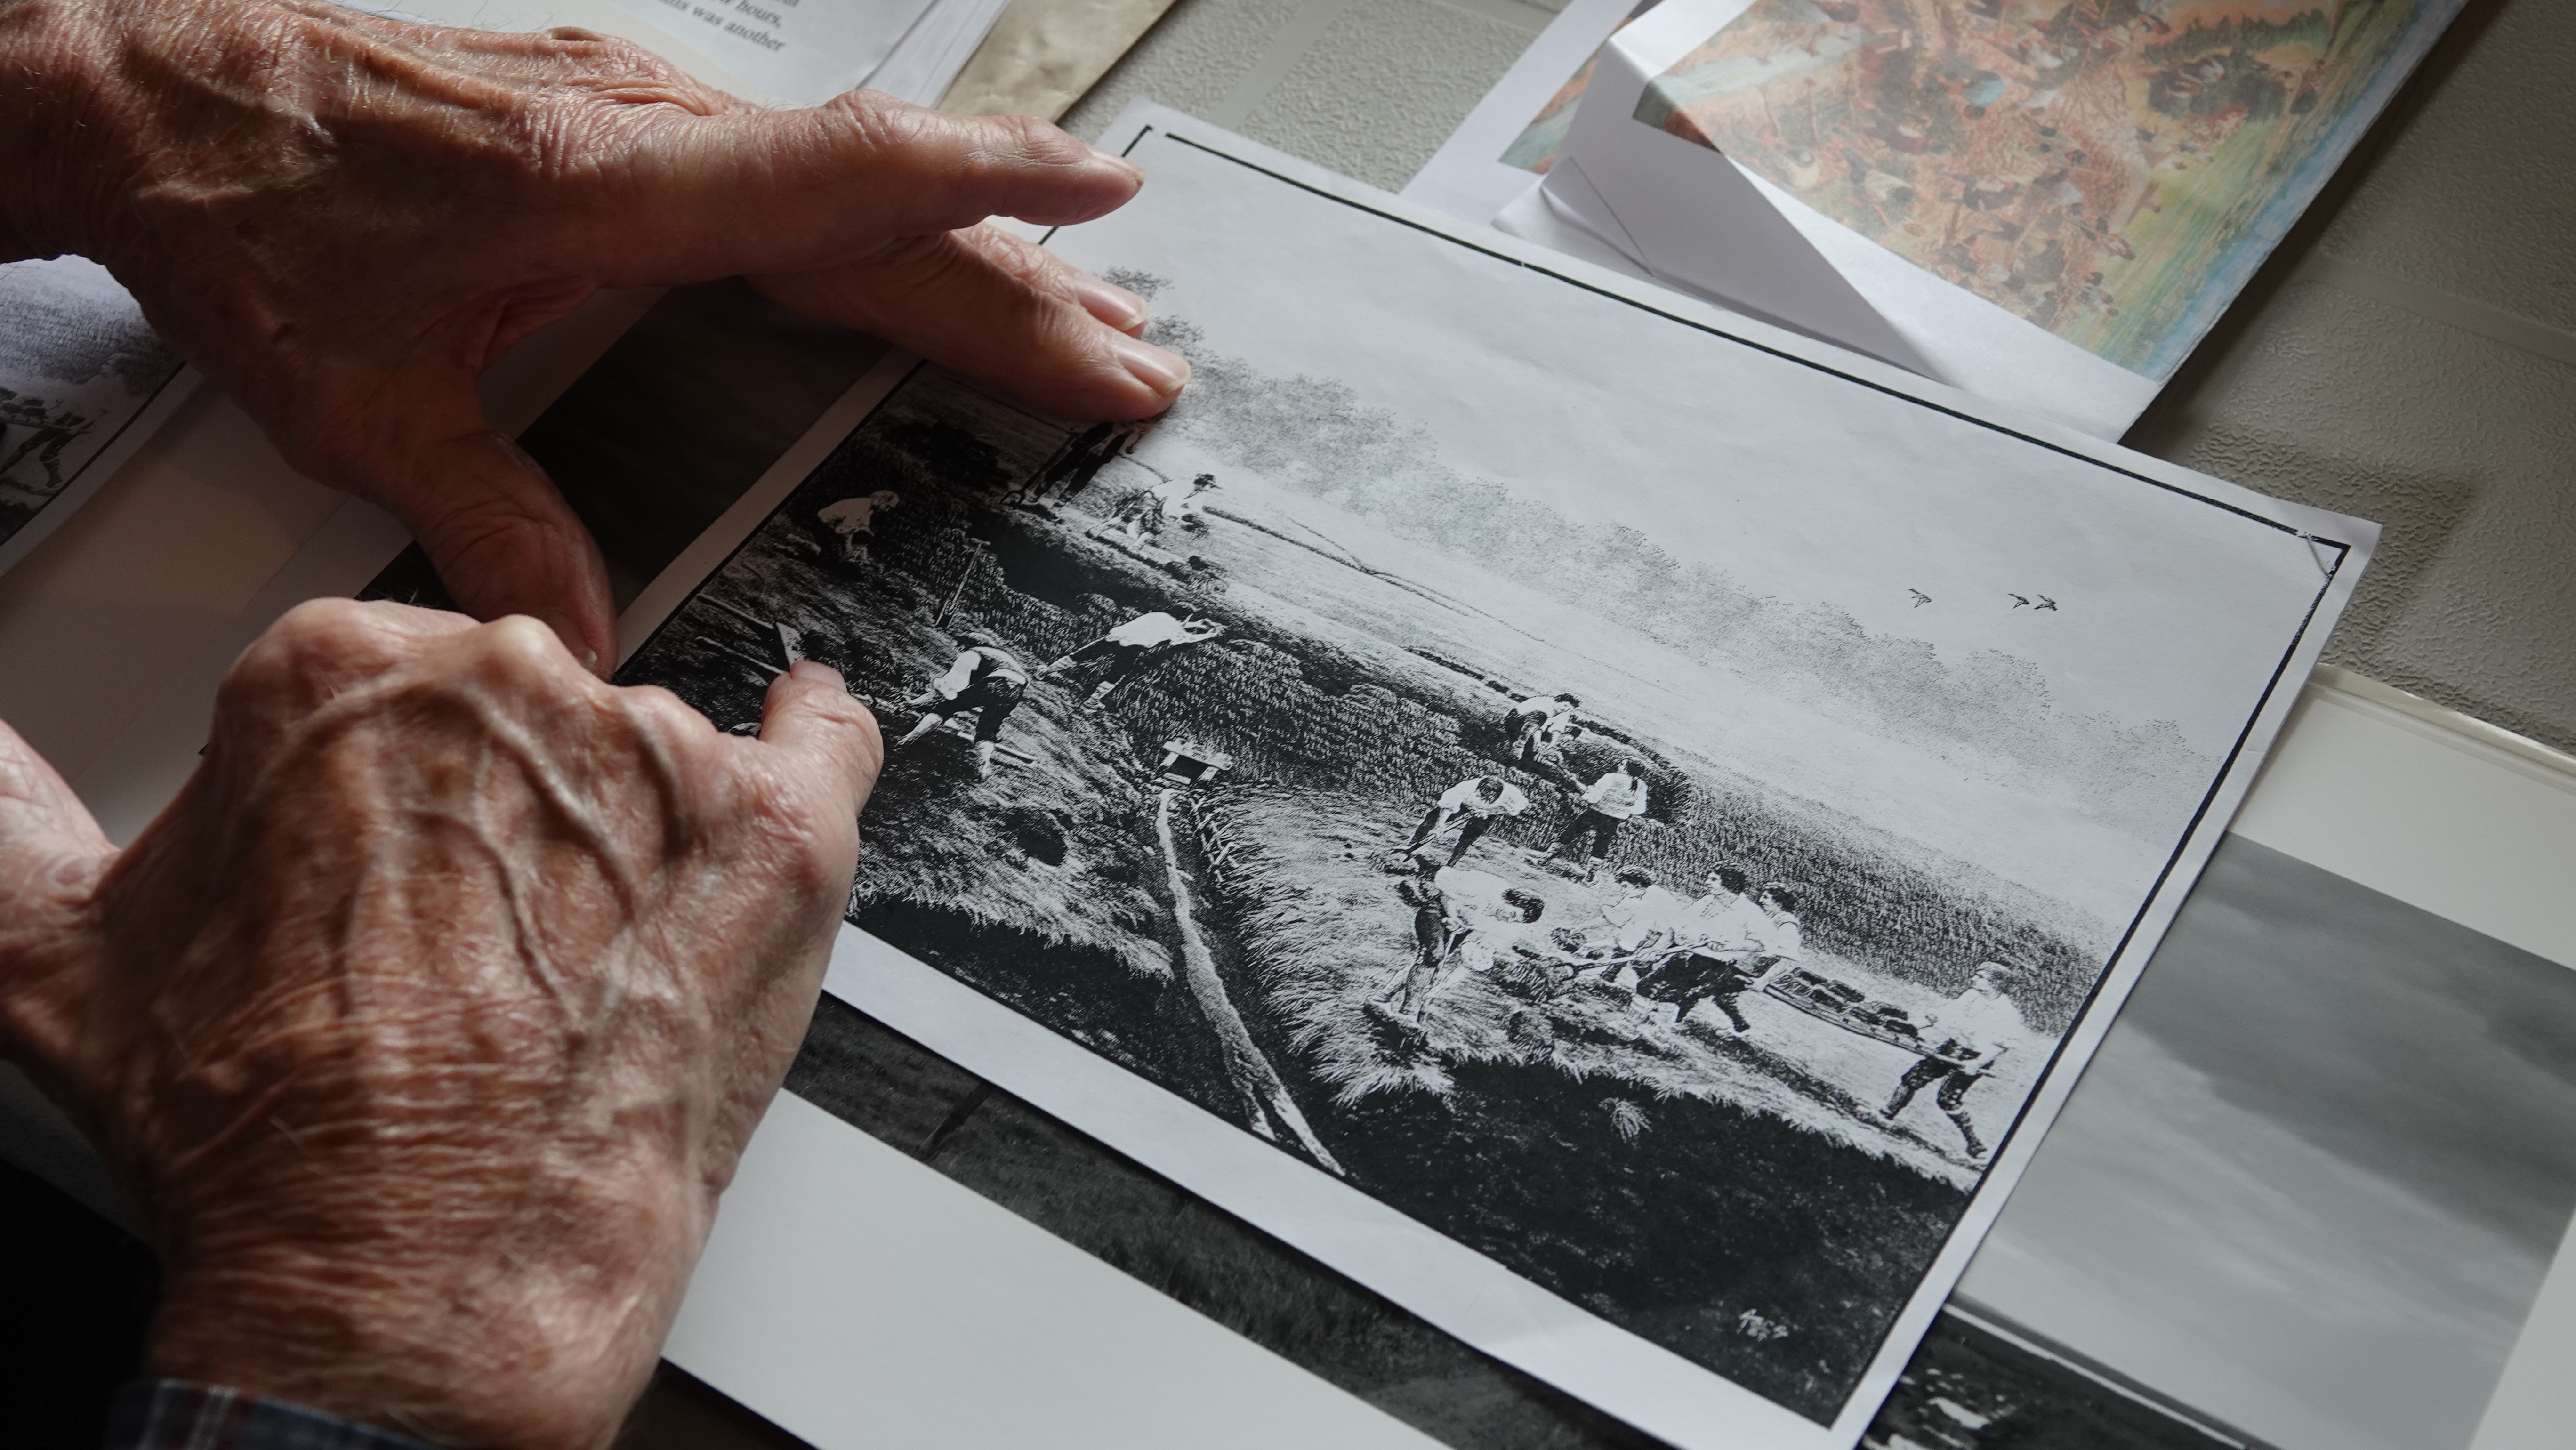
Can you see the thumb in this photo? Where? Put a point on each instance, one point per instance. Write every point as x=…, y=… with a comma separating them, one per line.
x=51, y=854
x=830, y=738
x=502, y=538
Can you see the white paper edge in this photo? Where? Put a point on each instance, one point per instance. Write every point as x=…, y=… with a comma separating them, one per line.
x=1464, y=177
x=1453, y=1287
x=856, y=1297
x=129, y=782
x=102, y=465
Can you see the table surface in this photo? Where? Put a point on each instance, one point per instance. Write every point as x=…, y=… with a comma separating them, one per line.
x=2409, y=355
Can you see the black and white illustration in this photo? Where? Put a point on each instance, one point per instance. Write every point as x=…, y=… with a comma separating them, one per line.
x=1639, y=806
x=78, y=366
x=2309, y=1186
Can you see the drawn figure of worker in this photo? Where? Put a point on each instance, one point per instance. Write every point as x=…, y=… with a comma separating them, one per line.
x=1608, y=804
x=1470, y=808
x=1502, y=919
x=1440, y=927
x=1091, y=450
x=1979, y=1026
x=1537, y=730
x=1781, y=936
x=853, y=524
x=1638, y=919
x=1145, y=513
x=1131, y=646
x=48, y=435
x=1485, y=919
x=1533, y=715
x=986, y=678
x=1718, y=951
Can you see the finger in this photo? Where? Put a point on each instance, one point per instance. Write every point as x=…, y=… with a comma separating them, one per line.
x=1106, y=301
x=47, y=837
x=775, y=190
x=501, y=536
x=997, y=308
x=809, y=715
x=51, y=854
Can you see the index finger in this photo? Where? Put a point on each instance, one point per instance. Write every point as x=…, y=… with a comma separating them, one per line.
x=809, y=714
x=784, y=190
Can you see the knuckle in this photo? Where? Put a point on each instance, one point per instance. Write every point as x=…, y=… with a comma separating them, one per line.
x=311, y=653
x=520, y=650
x=319, y=631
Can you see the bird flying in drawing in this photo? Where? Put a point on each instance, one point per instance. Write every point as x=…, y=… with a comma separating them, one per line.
x=1920, y=598
x=2045, y=603
x=2018, y=601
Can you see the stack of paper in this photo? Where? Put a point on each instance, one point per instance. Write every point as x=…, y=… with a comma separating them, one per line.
x=2044, y=204
x=801, y=52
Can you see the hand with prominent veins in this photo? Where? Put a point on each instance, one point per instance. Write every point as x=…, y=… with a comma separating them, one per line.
x=425, y=1026
x=344, y=220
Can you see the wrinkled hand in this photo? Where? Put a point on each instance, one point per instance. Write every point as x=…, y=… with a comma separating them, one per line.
x=345, y=220
x=427, y=1023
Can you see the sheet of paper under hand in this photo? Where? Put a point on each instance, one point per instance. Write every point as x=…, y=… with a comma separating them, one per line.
x=779, y=52
x=1517, y=783
x=83, y=382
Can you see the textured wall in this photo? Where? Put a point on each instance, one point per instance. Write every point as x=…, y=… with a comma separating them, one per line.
x=2410, y=355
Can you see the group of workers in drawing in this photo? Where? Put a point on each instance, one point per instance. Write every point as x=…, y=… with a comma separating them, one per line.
x=1729, y=940
x=986, y=678
x=1713, y=948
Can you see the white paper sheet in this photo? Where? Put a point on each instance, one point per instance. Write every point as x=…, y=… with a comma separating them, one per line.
x=1345, y=340
x=778, y=52
x=796, y=51
x=83, y=382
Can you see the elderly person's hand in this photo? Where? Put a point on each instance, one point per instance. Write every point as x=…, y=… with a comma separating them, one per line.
x=425, y=1026
x=344, y=220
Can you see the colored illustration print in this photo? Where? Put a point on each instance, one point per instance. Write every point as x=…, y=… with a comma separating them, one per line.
x=2111, y=170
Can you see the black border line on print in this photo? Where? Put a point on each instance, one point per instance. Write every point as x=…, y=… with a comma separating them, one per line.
x=2343, y=550
x=2235, y=752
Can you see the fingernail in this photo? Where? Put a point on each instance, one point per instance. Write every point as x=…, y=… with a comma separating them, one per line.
x=1110, y=302
x=1121, y=162
x=1164, y=372
x=819, y=671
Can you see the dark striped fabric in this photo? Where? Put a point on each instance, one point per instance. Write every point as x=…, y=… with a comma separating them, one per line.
x=177, y=1415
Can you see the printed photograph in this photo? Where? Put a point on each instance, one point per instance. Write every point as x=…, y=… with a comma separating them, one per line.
x=1979, y=1382
x=2111, y=170
x=2310, y=1186
x=1627, y=837
x=77, y=362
